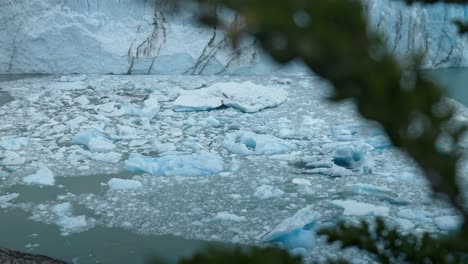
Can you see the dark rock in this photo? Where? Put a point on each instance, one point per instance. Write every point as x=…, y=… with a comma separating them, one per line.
x=14, y=257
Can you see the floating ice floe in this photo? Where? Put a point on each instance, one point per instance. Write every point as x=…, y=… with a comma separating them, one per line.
x=180, y=164
x=96, y=141
x=123, y=184
x=10, y=158
x=228, y=217
x=13, y=143
x=67, y=222
x=356, y=208
x=43, y=176
x=267, y=191
x=246, y=97
x=249, y=143
x=296, y=231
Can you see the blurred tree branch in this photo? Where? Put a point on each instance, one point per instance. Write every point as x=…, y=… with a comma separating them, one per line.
x=332, y=38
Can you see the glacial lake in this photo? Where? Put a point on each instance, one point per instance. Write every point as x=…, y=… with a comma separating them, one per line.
x=117, y=245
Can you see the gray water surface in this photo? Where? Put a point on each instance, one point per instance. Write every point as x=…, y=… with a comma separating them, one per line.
x=454, y=80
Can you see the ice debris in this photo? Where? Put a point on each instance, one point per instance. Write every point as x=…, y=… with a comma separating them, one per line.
x=267, y=191
x=178, y=164
x=148, y=111
x=43, y=176
x=226, y=216
x=123, y=184
x=296, y=231
x=246, y=97
x=249, y=143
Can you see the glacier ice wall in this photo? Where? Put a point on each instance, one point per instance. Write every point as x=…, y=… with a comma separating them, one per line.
x=428, y=30
x=144, y=37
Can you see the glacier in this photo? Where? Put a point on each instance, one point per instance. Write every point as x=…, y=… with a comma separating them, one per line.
x=146, y=37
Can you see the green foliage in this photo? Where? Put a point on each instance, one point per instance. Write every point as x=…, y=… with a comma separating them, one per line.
x=253, y=255
x=331, y=37
x=391, y=246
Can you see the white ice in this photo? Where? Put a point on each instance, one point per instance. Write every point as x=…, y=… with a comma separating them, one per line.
x=68, y=222
x=43, y=176
x=246, y=97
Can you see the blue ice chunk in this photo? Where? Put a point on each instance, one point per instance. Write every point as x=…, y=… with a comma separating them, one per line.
x=296, y=231
x=353, y=157
x=96, y=141
x=249, y=143
x=178, y=164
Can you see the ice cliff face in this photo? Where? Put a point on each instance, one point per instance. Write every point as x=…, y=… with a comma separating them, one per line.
x=144, y=37
x=428, y=30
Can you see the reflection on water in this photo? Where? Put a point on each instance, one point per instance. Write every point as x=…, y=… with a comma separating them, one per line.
x=455, y=80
